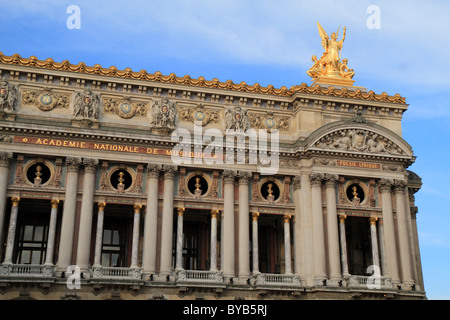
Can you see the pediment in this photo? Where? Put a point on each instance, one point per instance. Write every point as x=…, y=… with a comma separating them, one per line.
x=353, y=137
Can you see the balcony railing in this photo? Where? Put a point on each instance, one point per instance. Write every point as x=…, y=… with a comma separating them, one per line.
x=370, y=282
x=27, y=271
x=116, y=273
x=200, y=276
x=277, y=279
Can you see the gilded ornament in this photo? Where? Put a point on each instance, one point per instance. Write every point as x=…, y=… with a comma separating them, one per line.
x=125, y=108
x=45, y=100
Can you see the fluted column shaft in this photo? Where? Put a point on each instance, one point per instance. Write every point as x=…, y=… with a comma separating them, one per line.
x=179, y=248
x=318, y=229
x=5, y=162
x=389, y=231
x=332, y=230
x=68, y=214
x=99, y=235
x=51, y=233
x=87, y=207
x=255, y=250
x=228, y=225
x=151, y=220
x=287, y=245
x=11, y=231
x=244, y=237
x=402, y=228
x=213, y=253
x=135, y=243
x=167, y=221
x=374, y=242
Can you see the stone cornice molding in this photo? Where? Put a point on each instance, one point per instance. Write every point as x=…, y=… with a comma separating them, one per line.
x=128, y=73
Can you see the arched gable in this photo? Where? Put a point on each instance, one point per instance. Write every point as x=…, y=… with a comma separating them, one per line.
x=359, y=136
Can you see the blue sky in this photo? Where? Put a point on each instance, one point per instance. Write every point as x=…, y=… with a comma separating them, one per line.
x=271, y=42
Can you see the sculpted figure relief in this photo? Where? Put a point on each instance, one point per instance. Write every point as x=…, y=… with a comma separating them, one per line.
x=358, y=140
x=236, y=119
x=86, y=105
x=8, y=96
x=164, y=114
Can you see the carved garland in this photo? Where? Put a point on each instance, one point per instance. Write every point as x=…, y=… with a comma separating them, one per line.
x=125, y=108
x=45, y=100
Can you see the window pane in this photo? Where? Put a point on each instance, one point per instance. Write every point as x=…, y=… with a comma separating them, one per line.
x=38, y=233
x=107, y=236
x=114, y=258
x=105, y=260
x=116, y=239
x=25, y=257
x=35, y=257
x=28, y=233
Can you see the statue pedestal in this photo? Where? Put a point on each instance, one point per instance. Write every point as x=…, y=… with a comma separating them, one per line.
x=327, y=81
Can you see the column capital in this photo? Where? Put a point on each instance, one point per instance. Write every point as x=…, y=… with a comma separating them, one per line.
x=73, y=163
x=5, y=158
x=373, y=220
x=137, y=208
x=330, y=179
x=181, y=210
x=55, y=203
x=229, y=175
x=316, y=179
x=342, y=218
x=297, y=182
x=385, y=184
x=153, y=170
x=399, y=185
x=255, y=216
x=169, y=170
x=90, y=165
x=244, y=176
x=101, y=206
x=286, y=218
x=15, y=201
x=215, y=213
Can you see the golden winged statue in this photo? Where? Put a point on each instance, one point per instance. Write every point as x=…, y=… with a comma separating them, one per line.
x=330, y=65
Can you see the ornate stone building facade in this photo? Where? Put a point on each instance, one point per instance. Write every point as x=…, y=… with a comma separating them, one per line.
x=96, y=204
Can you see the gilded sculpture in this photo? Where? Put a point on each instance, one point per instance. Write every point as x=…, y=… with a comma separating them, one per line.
x=330, y=64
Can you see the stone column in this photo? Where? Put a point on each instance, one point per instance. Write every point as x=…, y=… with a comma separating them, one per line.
x=381, y=247
x=287, y=244
x=11, y=231
x=389, y=231
x=87, y=207
x=99, y=235
x=167, y=222
x=403, y=234
x=320, y=274
x=228, y=224
x=135, y=243
x=343, y=242
x=307, y=229
x=332, y=230
x=5, y=161
x=213, y=257
x=255, y=253
x=244, y=237
x=68, y=214
x=51, y=233
x=299, y=247
x=179, y=249
x=151, y=220
x=374, y=242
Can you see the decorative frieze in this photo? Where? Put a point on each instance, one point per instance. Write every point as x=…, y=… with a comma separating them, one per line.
x=125, y=108
x=199, y=113
x=268, y=121
x=46, y=99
